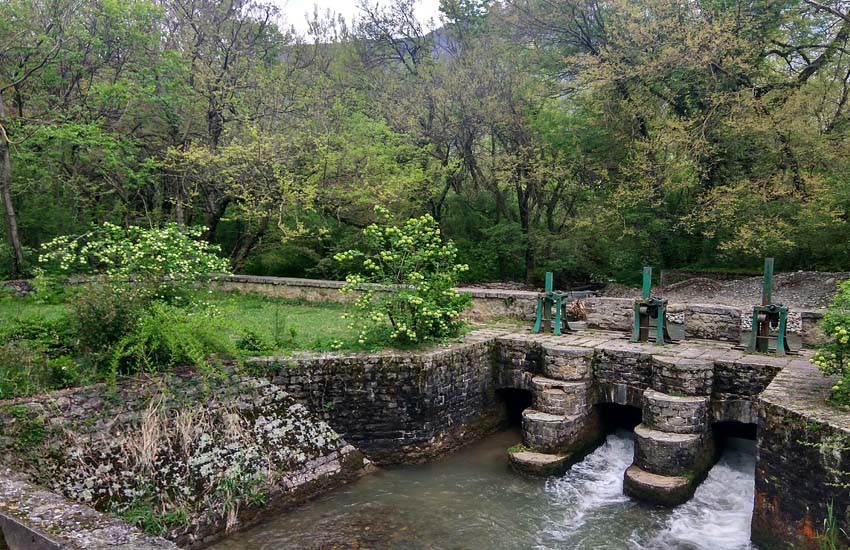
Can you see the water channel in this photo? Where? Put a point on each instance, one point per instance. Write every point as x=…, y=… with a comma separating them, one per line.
x=471, y=500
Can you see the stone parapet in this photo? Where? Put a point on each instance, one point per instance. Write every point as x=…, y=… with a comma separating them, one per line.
x=32, y=518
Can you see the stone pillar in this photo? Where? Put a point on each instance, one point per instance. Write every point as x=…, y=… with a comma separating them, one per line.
x=674, y=448
x=561, y=426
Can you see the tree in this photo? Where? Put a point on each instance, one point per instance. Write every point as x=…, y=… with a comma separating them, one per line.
x=35, y=37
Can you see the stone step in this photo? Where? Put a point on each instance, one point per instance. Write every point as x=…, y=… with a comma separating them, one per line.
x=673, y=454
x=682, y=376
x=567, y=362
x=657, y=489
x=538, y=464
x=675, y=414
x=561, y=397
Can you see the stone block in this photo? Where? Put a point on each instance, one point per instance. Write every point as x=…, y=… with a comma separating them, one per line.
x=567, y=362
x=747, y=375
x=620, y=362
x=609, y=313
x=682, y=376
x=551, y=433
x=673, y=454
x=713, y=322
x=675, y=414
x=657, y=489
x=561, y=397
x=810, y=331
x=539, y=464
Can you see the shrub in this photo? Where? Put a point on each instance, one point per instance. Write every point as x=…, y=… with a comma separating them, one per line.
x=105, y=313
x=420, y=272
x=167, y=336
x=833, y=357
x=167, y=256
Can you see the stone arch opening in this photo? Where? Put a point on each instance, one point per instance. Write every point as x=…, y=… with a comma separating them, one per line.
x=734, y=435
x=614, y=416
x=514, y=401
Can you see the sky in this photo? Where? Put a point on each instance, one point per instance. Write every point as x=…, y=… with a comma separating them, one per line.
x=294, y=10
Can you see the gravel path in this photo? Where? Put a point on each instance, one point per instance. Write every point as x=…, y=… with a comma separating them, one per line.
x=799, y=289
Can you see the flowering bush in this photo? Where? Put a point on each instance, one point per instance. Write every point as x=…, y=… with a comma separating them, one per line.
x=834, y=354
x=169, y=253
x=125, y=318
x=415, y=273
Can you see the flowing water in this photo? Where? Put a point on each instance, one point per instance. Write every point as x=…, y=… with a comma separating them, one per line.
x=471, y=500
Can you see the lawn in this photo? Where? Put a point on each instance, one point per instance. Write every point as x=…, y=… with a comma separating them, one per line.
x=40, y=350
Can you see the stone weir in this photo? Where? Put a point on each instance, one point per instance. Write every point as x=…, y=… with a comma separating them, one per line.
x=403, y=407
x=682, y=390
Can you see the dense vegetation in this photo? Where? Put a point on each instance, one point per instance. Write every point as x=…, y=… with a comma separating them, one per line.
x=577, y=136
x=44, y=346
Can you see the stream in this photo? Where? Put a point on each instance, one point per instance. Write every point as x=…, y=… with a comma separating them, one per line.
x=472, y=500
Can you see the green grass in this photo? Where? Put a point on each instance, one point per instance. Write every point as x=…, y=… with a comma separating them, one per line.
x=282, y=325
x=39, y=349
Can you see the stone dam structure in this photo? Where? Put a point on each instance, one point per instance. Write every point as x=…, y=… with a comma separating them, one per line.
x=403, y=407
x=409, y=407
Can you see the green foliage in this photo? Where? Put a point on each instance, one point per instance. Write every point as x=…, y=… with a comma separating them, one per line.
x=170, y=254
x=828, y=539
x=420, y=272
x=833, y=357
x=101, y=314
x=166, y=336
x=28, y=430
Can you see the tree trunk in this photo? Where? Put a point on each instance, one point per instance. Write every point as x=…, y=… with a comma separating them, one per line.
x=240, y=256
x=9, y=216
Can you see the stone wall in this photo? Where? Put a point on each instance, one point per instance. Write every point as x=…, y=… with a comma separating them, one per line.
x=803, y=461
x=398, y=407
x=87, y=444
x=610, y=313
x=709, y=321
x=713, y=322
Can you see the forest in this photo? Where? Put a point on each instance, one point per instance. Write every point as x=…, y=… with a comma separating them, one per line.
x=583, y=137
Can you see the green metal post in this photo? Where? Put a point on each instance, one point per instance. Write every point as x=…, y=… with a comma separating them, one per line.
x=647, y=282
x=557, y=330
x=539, y=320
x=767, y=287
x=659, y=326
x=636, y=328
x=549, y=282
x=780, y=336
